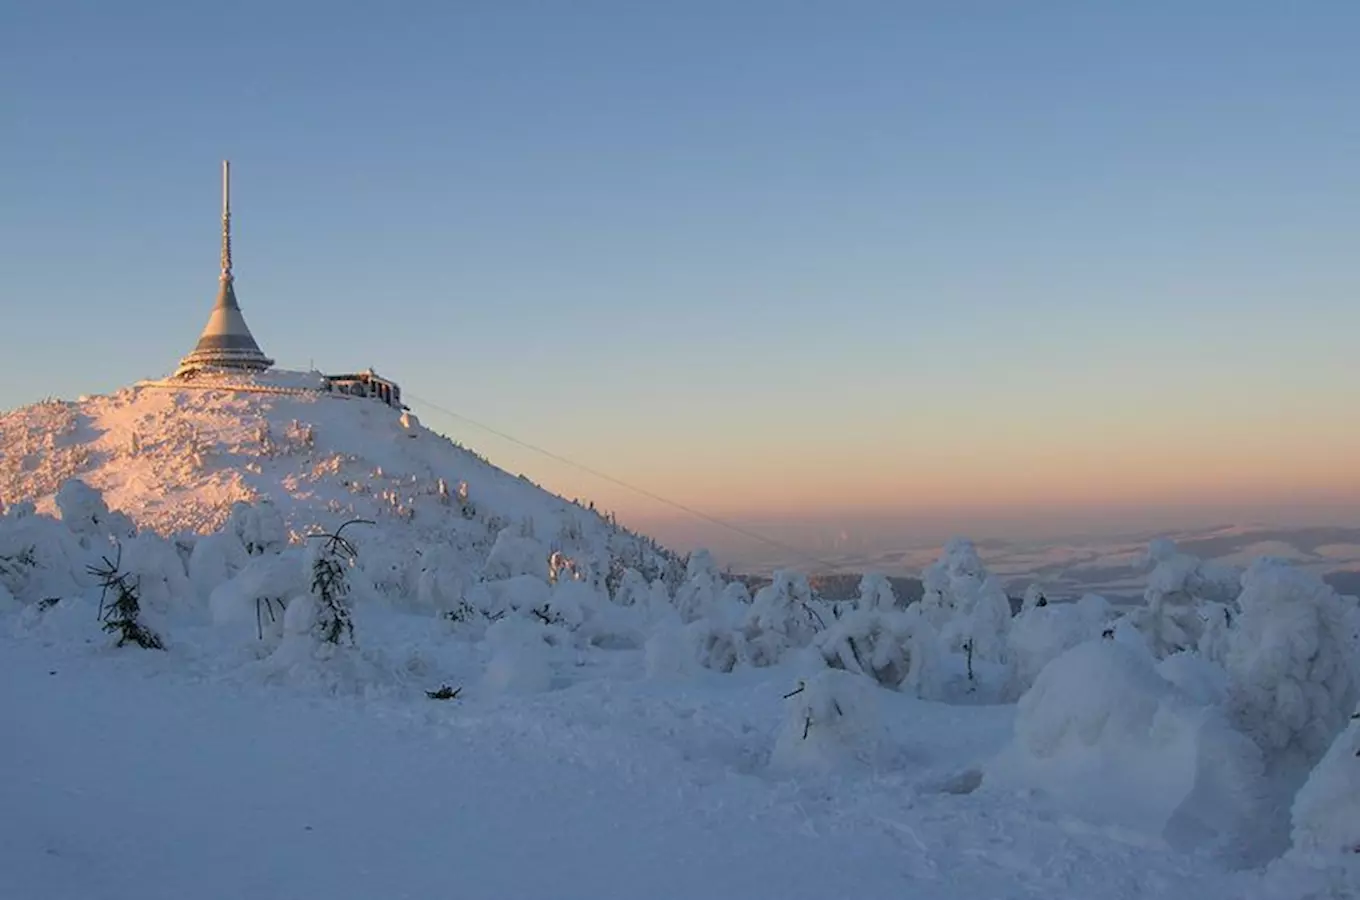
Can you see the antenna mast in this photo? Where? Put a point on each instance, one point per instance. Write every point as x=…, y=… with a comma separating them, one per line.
x=226, y=220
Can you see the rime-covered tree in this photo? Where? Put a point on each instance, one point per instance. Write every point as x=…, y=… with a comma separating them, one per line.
x=783, y=616
x=875, y=638
x=703, y=584
x=1292, y=662
x=966, y=605
x=1182, y=593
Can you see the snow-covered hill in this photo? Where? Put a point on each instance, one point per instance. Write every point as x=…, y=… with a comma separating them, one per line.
x=493, y=692
x=175, y=459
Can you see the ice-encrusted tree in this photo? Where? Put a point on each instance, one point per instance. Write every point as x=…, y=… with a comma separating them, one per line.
x=966, y=604
x=251, y=530
x=87, y=515
x=1183, y=595
x=875, y=638
x=515, y=553
x=1292, y=662
x=632, y=588
x=39, y=556
x=703, y=584
x=783, y=616
x=258, y=526
x=735, y=595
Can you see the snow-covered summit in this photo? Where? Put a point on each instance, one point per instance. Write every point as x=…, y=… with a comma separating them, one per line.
x=175, y=456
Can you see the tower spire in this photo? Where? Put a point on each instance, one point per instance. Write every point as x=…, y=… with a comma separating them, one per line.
x=226, y=220
x=226, y=341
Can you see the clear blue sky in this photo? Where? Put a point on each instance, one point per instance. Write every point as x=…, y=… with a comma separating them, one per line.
x=768, y=258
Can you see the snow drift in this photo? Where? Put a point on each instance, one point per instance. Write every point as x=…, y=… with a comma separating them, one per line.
x=1102, y=735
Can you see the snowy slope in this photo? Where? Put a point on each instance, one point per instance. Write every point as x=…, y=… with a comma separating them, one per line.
x=175, y=459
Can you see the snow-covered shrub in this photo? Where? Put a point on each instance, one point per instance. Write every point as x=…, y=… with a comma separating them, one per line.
x=1105, y=737
x=519, y=661
x=1183, y=593
x=251, y=530
x=718, y=645
x=782, y=617
x=518, y=595
x=65, y=618
x=258, y=526
x=703, y=583
x=1033, y=599
x=516, y=554
x=632, y=588
x=1291, y=662
x=875, y=593
x=876, y=639
x=587, y=610
x=1044, y=630
x=155, y=566
x=735, y=595
x=659, y=598
x=676, y=648
x=967, y=606
x=1198, y=677
x=1326, y=810
x=382, y=568
x=214, y=559
x=87, y=515
x=441, y=584
x=39, y=556
x=832, y=722
x=256, y=597
x=1215, y=634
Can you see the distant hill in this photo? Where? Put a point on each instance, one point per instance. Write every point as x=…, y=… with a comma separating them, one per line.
x=844, y=586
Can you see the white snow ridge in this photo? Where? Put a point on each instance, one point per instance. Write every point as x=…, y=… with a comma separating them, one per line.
x=216, y=683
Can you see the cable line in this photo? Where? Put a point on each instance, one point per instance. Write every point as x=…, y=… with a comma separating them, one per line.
x=651, y=495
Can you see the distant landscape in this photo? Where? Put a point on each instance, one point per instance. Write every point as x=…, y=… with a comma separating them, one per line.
x=1111, y=566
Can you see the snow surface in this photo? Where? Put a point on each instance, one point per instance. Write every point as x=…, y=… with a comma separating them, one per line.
x=193, y=774
x=536, y=703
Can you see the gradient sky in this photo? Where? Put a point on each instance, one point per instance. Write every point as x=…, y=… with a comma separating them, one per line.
x=978, y=262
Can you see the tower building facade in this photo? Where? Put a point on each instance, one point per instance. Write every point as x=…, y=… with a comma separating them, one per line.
x=226, y=341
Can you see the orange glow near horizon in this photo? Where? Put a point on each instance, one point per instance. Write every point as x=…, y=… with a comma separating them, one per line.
x=1174, y=464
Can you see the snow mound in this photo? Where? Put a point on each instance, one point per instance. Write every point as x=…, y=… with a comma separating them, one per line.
x=832, y=723
x=1327, y=807
x=519, y=657
x=1043, y=631
x=1105, y=737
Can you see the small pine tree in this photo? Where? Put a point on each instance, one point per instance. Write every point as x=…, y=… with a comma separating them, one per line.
x=330, y=585
x=122, y=615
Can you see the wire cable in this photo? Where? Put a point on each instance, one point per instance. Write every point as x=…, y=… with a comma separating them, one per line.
x=651, y=495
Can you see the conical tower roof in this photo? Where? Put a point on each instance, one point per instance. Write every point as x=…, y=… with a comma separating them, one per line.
x=226, y=341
